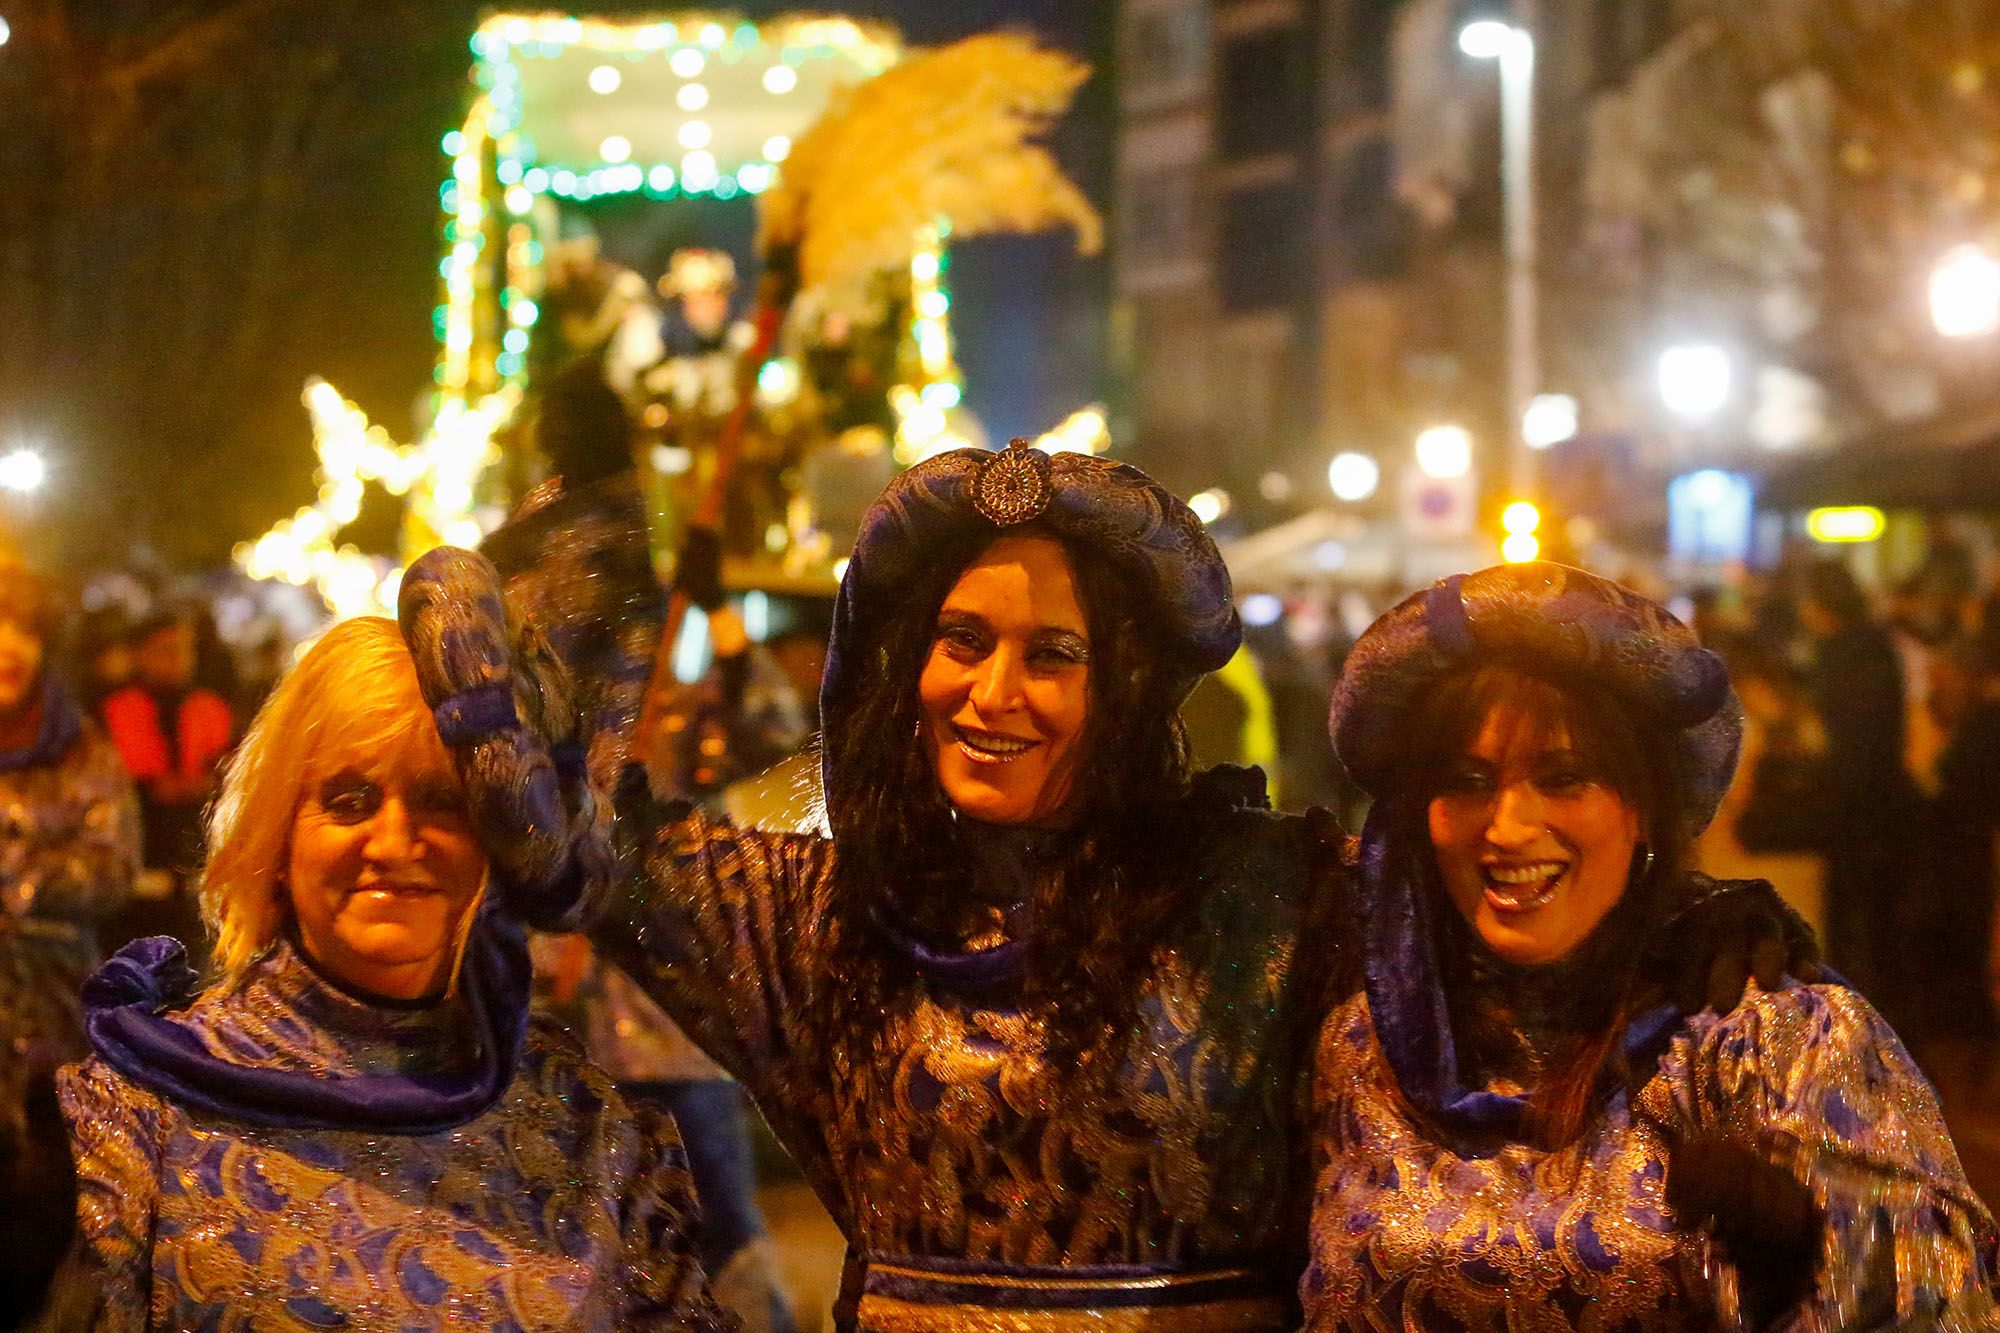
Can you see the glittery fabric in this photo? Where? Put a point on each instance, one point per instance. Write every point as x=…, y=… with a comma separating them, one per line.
x=1409, y=1233
x=1547, y=617
x=576, y=562
x=559, y=1208
x=69, y=848
x=942, y=1133
x=511, y=714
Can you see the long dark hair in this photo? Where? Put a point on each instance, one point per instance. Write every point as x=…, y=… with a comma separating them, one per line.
x=1112, y=897
x=1597, y=989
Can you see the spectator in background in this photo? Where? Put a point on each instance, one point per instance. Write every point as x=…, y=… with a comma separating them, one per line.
x=1769, y=826
x=172, y=735
x=104, y=648
x=1856, y=685
x=1927, y=618
x=1966, y=698
x=69, y=846
x=1230, y=720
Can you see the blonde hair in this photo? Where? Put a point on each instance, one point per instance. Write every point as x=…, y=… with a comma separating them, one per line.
x=353, y=696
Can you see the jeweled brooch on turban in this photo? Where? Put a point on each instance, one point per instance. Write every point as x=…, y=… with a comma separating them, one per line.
x=1014, y=485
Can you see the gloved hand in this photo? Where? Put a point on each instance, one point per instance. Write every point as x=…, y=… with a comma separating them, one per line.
x=1767, y=1223
x=698, y=571
x=505, y=709
x=1723, y=933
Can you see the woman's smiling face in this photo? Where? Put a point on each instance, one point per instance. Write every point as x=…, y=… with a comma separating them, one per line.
x=1005, y=690
x=1533, y=845
x=382, y=868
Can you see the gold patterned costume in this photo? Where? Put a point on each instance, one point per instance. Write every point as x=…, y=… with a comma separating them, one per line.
x=1410, y=1232
x=978, y=1186
x=69, y=848
x=558, y=1208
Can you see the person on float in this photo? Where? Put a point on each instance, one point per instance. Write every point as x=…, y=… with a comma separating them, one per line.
x=355, y=1124
x=1516, y=1126
x=69, y=849
x=1034, y=1019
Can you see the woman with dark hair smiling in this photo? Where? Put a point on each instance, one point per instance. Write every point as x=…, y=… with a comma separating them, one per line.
x=1033, y=1020
x=1518, y=1127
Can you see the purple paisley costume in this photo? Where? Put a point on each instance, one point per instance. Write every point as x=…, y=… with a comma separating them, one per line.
x=278, y=1152
x=1433, y=1210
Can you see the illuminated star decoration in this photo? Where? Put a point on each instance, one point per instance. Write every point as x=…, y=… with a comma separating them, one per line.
x=436, y=476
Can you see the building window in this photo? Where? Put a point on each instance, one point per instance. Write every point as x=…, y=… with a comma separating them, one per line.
x=1157, y=222
x=1262, y=256
x=1624, y=34
x=1368, y=222
x=1166, y=49
x=1264, y=93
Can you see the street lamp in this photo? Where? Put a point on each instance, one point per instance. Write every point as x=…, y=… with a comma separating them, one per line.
x=23, y=471
x=1694, y=380
x=1513, y=45
x=1353, y=476
x=1965, y=293
x=1444, y=452
x=1550, y=419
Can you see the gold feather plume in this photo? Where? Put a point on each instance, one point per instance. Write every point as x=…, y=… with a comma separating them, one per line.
x=945, y=136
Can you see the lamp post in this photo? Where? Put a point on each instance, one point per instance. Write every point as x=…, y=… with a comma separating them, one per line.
x=23, y=470
x=1965, y=293
x=1513, y=45
x=1695, y=379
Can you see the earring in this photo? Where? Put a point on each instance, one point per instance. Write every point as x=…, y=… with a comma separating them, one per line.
x=1645, y=863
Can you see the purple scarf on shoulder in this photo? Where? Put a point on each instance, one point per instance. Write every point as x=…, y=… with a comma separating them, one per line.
x=128, y=1015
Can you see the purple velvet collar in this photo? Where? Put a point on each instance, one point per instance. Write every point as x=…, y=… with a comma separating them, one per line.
x=970, y=971
x=128, y=1004
x=1003, y=864
x=1406, y=1002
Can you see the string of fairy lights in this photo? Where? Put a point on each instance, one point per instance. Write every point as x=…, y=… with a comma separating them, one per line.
x=489, y=312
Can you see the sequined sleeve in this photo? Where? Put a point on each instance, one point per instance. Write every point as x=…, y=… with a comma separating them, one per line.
x=105, y=1280
x=661, y=1225
x=1816, y=1079
x=78, y=852
x=719, y=925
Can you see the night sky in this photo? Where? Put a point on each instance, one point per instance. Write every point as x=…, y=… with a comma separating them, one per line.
x=271, y=212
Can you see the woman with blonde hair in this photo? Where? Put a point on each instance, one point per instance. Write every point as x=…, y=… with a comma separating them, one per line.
x=355, y=1124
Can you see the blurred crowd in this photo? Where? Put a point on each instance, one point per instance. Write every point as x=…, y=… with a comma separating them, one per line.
x=1870, y=787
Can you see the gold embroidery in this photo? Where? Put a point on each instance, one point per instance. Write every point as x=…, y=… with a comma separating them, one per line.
x=882, y=1314
x=1408, y=1233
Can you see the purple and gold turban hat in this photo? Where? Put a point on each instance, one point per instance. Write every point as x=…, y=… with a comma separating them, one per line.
x=1554, y=621
x=949, y=506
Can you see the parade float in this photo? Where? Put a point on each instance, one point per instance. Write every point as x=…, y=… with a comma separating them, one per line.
x=747, y=226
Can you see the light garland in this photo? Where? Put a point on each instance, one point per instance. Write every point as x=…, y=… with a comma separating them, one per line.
x=923, y=408
x=1085, y=431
